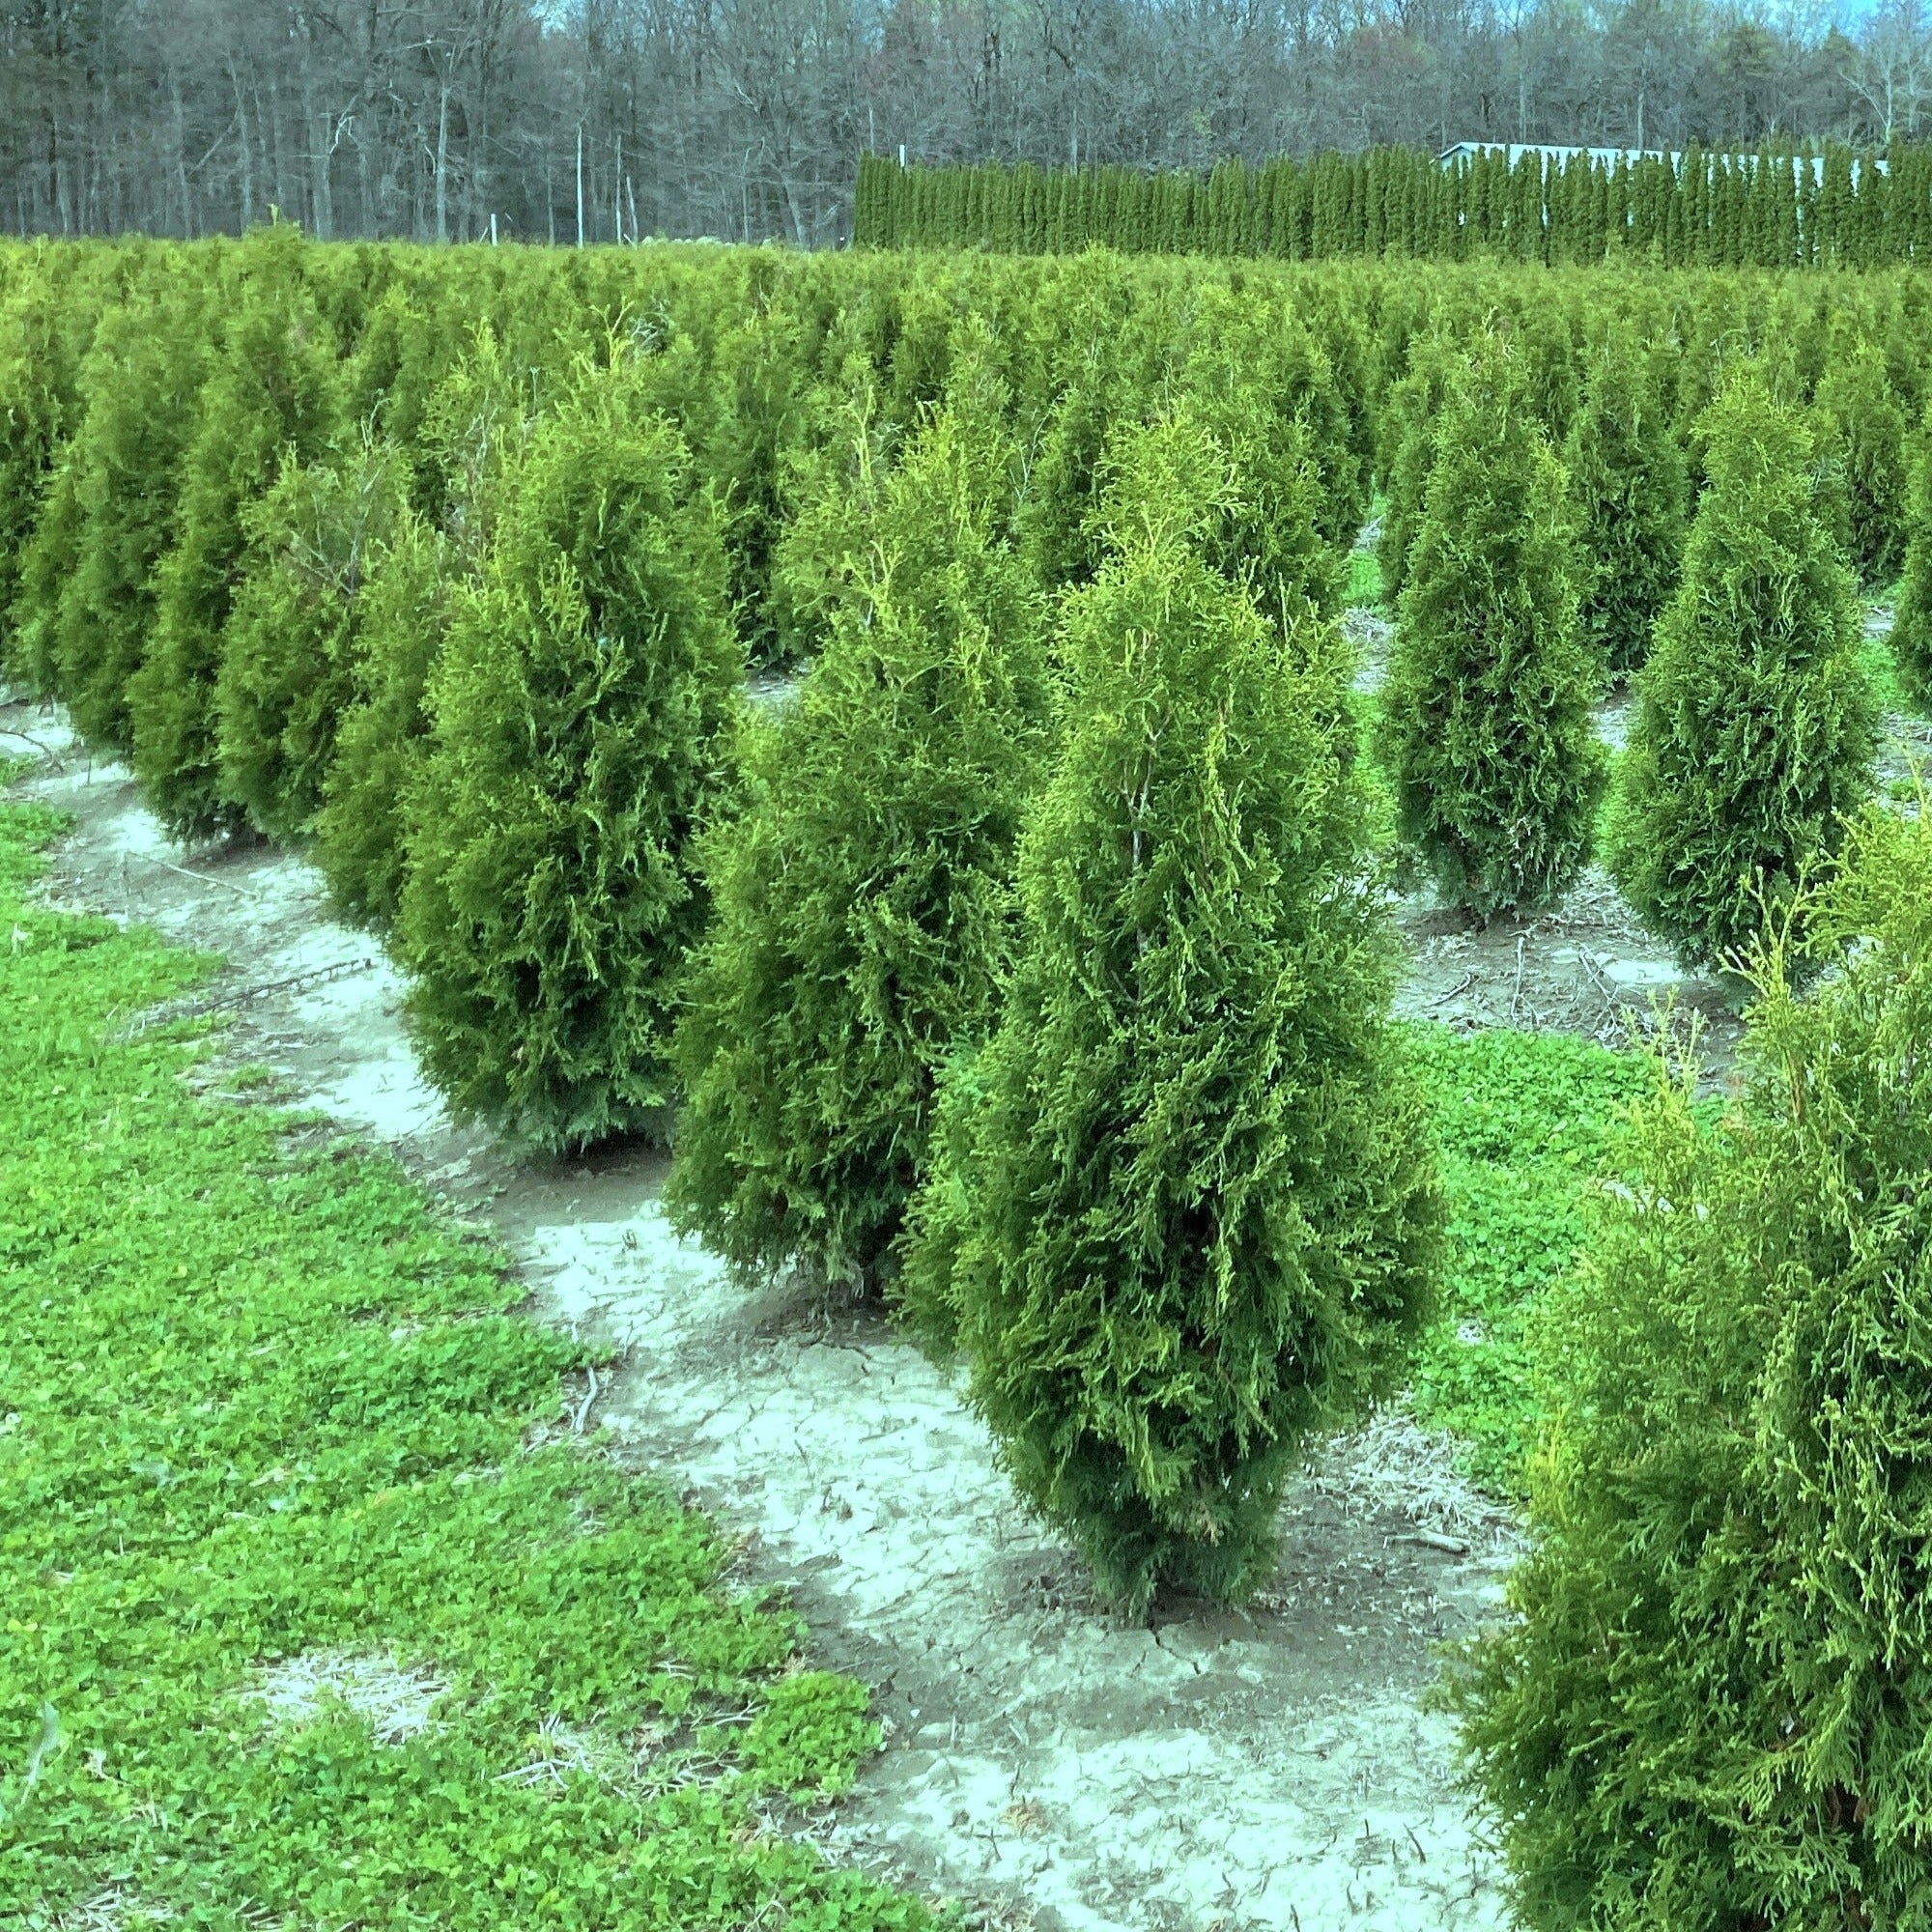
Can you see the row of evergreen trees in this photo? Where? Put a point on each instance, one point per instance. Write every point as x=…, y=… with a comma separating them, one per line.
x=1778, y=207
x=1031, y=963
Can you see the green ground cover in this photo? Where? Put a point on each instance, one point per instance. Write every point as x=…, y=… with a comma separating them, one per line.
x=260, y=1402
x=1523, y=1122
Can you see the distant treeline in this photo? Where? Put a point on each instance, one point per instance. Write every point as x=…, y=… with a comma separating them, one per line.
x=1808, y=207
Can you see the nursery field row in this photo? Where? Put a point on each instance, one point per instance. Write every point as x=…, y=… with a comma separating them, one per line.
x=1823, y=205
x=1029, y=963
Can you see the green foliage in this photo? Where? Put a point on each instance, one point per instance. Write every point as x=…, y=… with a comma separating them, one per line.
x=401, y=619
x=113, y=519
x=1188, y=1214
x=863, y=889
x=263, y=1403
x=1712, y=1709
x=1862, y=437
x=1755, y=727
x=1414, y=413
x=289, y=649
x=272, y=397
x=1626, y=500
x=1487, y=729
x=583, y=704
x=1912, y=616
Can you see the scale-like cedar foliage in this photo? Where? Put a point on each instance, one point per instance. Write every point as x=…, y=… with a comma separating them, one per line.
x=1912, y=616
x=472, y=431
x=116, y=518
x=583, y=704
x=1413, y=419
x=1862, y=439
x=402, y=617
x=1714, y=1707
x=273, y=396
x=1183, y=1209
x=290, y=649
x=1487, y=729
x=864, y=894
x=1756, y=725
x=1626, y=495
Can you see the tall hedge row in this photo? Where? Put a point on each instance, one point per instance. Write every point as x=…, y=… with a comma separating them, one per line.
x=1775, y=207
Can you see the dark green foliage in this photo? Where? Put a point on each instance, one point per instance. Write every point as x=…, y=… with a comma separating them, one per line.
x=289, y=649
x=117, y=519
x=34, y=414
x=864, y=897
x=273, y=396
x=1414, y=419
x=1627, y=499
x=1912, y=617
x=1183, y=1212
x=402, y=615
x=1714, y=1708
x=1487, y=729
x=1862, y=436
x=583, y=703
x=1755, y=725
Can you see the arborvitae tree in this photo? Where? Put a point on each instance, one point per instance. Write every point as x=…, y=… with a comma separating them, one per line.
x=290, y=649
x=143, y=378
x=584, y=705
x=275, y=394
x=1189, y=1213
x=1712, y=1709
x=1487, y=728
x=1912, y=619
x=474, y=430
x=1861, y=435
x=1414, y=411
x=402, y=615
x=863, y=890
x=1756, y=725
x=1627, y=499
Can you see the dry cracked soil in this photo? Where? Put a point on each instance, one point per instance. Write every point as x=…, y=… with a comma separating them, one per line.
x=1045, y=1762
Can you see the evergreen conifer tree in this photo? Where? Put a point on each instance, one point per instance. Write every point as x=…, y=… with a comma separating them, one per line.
x=1861, y=433
x=1756, y=725
x=1184, y=1213
x=290, y=647
x=863, y=889
x=1415, y=415
x=274, y=393
x=143, y=378
x=1626, y=498
x=1712, y=1707
x=1912, y=616
x=1487, y=729
x=584, y=704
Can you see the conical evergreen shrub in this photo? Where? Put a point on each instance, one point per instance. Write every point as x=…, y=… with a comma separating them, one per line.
x=584, y=705
x=1413, y=415
x=143, y=379
x=1486, y=729
x=1187, y=1213
x=290, y=647
x=402, y=616
x=1626, y=495
x=1756, y=725
x=1712, y=1707
x=1862, y=436
x=863, y=890
x=275, y=395
x=1911, y=615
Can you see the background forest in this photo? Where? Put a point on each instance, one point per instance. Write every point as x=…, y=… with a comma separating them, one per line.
x=608, y=120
